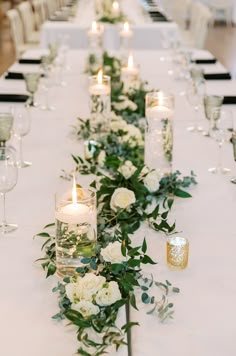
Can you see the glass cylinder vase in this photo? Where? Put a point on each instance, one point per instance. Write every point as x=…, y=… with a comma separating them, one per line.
x=76, y=229
x=100, y=101
x=159, y=132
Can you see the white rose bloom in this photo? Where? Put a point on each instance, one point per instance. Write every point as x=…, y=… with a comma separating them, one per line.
x=86, y=308
x=127, y=169
x=89, y=285
x=112, y=253
x=101, y=158
x=71, y=292
x=109, y=295
x=122, y=198
x=151, y=181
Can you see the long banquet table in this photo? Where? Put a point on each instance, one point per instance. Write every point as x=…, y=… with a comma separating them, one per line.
x=204, y=319
x=147, y=35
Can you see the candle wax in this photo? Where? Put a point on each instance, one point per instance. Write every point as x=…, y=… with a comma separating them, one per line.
x=74, y=214
x=159, y=112
x=99, y=89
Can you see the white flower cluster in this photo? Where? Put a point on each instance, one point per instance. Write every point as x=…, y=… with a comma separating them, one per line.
x=124, y=103
x=150, y=179
x=90, y=292
x=127, y=169
x=132, y=135
x=104, y=9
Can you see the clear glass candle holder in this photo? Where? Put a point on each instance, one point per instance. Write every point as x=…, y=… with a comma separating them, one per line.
x=95, y=37
x=76, y=229
x=6, y=122
x=159, y=131
x=177, y=252
x=130, y=71
x=126, y=40
x=100, y=101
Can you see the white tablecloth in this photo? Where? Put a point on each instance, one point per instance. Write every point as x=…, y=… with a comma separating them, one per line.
x=147, y=35
x=204, y=322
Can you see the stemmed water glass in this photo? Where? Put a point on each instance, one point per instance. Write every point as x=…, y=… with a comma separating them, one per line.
x=6, y=122
x=195, y=93
x=32, y=83
x=8, y=180
x=22, y=124
x=221, y=127
x=211, y=103
x=47, y=81
x=233, y=180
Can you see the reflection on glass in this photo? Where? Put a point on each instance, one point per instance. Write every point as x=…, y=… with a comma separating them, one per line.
x=6, y=122
x=211, y=102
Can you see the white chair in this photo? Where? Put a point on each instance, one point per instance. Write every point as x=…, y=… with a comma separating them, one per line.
x=17, y=32
x=29, y=23
x=200, y=20
x=39, y=12
x=179, y=10
x=52, y=7
x=224, y=7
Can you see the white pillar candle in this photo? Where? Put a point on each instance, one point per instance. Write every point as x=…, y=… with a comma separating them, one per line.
x=74, y=214
x=95, y=30
x=99, y=87
x=158, y=110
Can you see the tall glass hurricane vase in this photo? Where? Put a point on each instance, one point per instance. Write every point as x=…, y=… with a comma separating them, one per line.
x=76, y=229
x=159, y=132
x=8, y=180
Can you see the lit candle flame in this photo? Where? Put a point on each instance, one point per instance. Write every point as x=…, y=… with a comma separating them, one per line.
x=74, y=191
x=94, y=26
x=130, y=61
x=115, y=6
x=100, y=77
x=126, y=26
x=160, y=98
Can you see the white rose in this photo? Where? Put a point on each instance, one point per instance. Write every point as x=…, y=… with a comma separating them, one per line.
x=127, y=169
x=151, y=181
x=122, y=198
x=112, y=253
x=101, y=158
x=86, y=308
x=89, y=285
x=108, y=295
x=71, y=292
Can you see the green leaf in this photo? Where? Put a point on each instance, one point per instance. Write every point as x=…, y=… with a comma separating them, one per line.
x=49, y=225
x=145, y=298
x=129, y=325
x=175, y=290
x=144, y=246
x=133, y=301
x=147, y=260
x=182, y=194
x=85, y=260
x=43, y=234
x=51, y=270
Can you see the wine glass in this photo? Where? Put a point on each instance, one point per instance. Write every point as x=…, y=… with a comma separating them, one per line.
x=211, y=102
x=221, y=127
x=47, y=82
x=195, y=92
x=32, y=83
x=8, y=180
x=6, y=122
x=22, y=124
x=233, y=180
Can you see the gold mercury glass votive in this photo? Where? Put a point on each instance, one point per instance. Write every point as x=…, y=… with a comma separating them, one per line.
x=177, y=252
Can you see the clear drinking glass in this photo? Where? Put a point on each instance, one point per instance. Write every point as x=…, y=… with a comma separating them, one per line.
x=221, y=127
x=22, y=124
x=6, y=122
x=233, y=180
x=76, y=229
x=159, y=132
x=32, y=83
x=210, y=103
x=8, y=180
x=195, y=93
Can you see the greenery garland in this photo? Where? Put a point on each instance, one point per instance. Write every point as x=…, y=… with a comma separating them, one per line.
x=128, y=194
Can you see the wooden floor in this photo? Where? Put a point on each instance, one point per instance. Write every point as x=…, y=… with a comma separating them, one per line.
x=221, y=42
